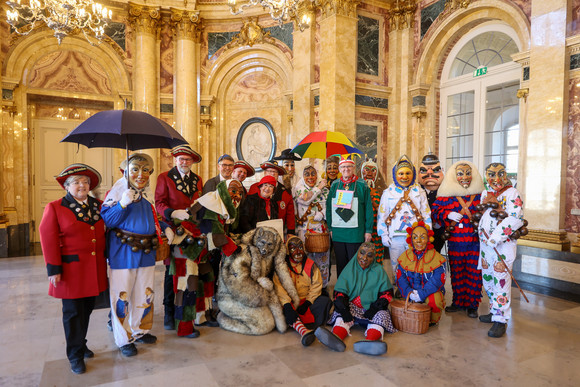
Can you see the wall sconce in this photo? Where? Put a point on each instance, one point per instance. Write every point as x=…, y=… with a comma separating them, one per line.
x=205, y=110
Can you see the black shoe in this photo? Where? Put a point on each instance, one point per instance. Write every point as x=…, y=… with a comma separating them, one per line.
x=169, y=322
x=452, y=308
x=88, y=353
x=367, y=347
x=329, y=339
x=147, y=338
x=324, y=292
x=485, y=318
x=193, y=335
x=433, y=324
x=308, y=339
x=472, y=312
x=210, y=320
x=128, y=350
x=78, y=366
x=497, y=329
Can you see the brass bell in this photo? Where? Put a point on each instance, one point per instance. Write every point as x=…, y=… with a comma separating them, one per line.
x=475, y=223
x=446, y=235
x=144, y=241
x=502, y=214
x=477, y=216
x=154, y=241
x=525, y=223
x=155, y=247
x=147, y=251
x=515, y=235
x=123, y=240
x=200, y=242
x=180, y=231
x=493, y=205
x=189, y=240
x=130, y=239
x=119, y=235
x=480, y=207
x=134, y=249
x=451, y=228
x=524, y=231
x=493, y=213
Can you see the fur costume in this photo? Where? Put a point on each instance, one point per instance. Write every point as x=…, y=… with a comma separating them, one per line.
x=246, y=297
x=463, y=244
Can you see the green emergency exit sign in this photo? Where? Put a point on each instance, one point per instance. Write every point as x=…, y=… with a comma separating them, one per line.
x=480, y=71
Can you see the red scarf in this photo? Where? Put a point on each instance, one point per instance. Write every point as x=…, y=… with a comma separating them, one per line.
x=268, y=210
x=351, y=180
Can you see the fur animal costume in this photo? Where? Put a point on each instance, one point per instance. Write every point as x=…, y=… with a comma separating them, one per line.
x=246, y=297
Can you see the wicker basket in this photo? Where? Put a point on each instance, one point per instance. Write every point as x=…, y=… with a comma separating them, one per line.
x=410, y=317
x=316, y=242
x=163, y=250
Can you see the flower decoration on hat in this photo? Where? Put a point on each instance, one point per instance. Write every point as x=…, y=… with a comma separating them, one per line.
x=421, y=224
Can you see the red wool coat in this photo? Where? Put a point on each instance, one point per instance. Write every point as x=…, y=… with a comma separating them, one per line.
x=74, y=247
x=170, y=193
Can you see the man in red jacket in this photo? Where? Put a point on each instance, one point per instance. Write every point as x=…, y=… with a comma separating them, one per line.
x=281, y=195
x=176, y=191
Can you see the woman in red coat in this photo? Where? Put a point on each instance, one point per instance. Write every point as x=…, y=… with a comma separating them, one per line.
x=72, y=235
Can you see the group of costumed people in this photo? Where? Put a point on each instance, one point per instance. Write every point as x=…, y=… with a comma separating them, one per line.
x=239, y=258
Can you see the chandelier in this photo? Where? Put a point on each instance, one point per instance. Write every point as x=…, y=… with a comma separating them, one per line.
x=63, y=16
x=299, y=11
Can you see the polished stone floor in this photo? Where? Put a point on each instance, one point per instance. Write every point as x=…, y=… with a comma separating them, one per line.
x=541, y=348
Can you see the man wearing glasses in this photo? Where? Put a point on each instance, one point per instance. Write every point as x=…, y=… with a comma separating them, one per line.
x=225, y=167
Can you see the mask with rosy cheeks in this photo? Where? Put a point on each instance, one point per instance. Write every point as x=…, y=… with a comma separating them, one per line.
x=365, y=255
x=332, y=171
x=420, y=238
x=139, y=172
x=290, y=167
x=236, y=191
x=310, y=177
x=463, y=175
x=404, y=176
x=296, y=250
x=369, y=173
x=496, y=176
x=430, y=176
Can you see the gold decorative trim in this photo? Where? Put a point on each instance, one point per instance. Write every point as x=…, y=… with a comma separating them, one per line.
x=250, y=34
x=402, y=16
x=523, y=93
x=144, y=19
x=452, y=5
x=186, y=24
x=337, y=7
x=546, y=239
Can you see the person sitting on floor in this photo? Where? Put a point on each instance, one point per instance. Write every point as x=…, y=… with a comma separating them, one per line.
x=314, y=307
x=421, y=271
x=361, y=295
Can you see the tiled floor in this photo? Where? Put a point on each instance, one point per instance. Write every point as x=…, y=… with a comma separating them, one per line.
x=541, y=348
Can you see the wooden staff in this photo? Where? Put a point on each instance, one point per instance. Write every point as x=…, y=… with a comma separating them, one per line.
x=507, y=268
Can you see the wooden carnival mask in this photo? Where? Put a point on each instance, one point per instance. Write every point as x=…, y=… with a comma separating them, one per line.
x=463, y=174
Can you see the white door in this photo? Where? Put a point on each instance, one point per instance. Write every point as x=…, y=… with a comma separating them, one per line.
x=51, y=156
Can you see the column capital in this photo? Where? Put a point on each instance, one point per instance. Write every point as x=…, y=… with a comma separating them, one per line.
x=186, y=24
x=337, y=7
x=402, y=15
x=144, y=19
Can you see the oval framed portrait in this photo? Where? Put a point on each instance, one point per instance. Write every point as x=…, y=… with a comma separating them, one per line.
x=256, y=142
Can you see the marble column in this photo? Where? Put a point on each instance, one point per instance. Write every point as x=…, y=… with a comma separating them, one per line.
x=145, y=20
x=547, y=119
x=400, y=69
x=338, y=31
x=187, y=29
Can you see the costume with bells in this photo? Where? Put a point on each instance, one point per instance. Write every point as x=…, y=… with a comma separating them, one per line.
x=421, y=271
x=430, y=177
x=311, y=207
x=400, y=207
x=314, y=307
x=174, y=193
x=495, y=232
x=130, y=216
x=361, y=295
x=456, y=203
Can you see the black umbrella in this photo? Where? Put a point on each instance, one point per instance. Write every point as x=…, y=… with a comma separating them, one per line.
x=124, y=129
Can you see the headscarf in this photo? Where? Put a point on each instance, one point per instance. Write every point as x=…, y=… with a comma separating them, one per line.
x=122, y=184
x=404, y=162
x=354, y=281
x=451, y=187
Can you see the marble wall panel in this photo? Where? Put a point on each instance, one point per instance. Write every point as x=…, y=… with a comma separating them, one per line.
x=524, y=5
x=317, y=51
x=380, y=121
x=574, y=24
x=368, y=46
x=7, y=148
x=366, y=139
x=366, y=10
x=116, y=31
x=365, y=100
x=166, y=55
x=129, y=48
x=430, y=10
x=71, y=71
x=283, y=33
x=574, y=61
x=572, y=222
x=216, y=40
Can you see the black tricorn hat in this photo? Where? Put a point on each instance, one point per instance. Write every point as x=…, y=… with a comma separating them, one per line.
x=288, y=155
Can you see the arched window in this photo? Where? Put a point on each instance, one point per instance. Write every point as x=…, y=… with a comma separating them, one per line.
x=479, y=108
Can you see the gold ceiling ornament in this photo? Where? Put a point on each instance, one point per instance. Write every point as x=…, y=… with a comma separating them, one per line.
x=144, y=18
x=65, y=17
x=186, y=24
x=301, y=12
x=402, y=15
x=451, y=5
x=250, y=34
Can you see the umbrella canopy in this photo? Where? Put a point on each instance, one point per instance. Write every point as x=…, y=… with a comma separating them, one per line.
x=125, y=129
x=324, y=144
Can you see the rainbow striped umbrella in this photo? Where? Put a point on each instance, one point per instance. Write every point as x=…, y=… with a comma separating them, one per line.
x=321, y=145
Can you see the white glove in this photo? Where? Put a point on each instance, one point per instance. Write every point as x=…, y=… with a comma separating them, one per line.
x=318, y=216
x=415, y=296
x=386, y=239
x=169, y=234
x=455, y=216
x=180, y=214
x=128, y=197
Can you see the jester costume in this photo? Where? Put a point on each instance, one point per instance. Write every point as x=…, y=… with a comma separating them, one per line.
x=423, y=272
x=463, y=242
x=370, y=174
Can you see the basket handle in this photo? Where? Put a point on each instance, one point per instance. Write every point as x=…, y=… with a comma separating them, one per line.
x=309, y=207
x=407, y=302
